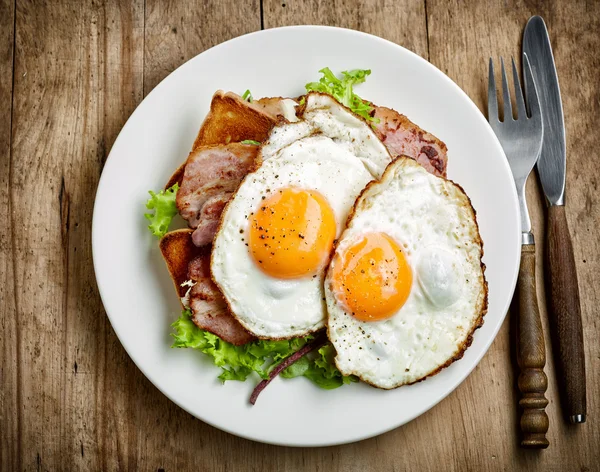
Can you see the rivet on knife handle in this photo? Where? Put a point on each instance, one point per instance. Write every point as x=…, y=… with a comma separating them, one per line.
x=531, y=356
x=565, y=316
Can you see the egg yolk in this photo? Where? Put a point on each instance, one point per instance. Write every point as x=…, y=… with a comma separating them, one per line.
x=292, y=233
x=372, y=277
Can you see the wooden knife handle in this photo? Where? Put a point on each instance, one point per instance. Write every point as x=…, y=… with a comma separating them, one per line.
x=531, y=356
x=564, y=314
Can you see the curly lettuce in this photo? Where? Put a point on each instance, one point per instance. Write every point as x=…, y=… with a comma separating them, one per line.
x=163, y=204
x=238, y=362
x=320, y=369
x=342, y=90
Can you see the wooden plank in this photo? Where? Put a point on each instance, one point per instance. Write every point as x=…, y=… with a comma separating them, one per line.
x=9, y=417
x=78, y=75
x=402, y=21
x=169, y=438
x=177, y=31
x=104, y=373
x=462, y=37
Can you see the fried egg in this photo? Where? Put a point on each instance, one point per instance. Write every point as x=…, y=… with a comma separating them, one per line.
x=405, y=289
x=277, y=232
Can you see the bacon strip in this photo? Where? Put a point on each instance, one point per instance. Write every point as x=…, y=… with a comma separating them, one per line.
x=402, y=137
x=209, y=309
x=212, y=174
x=210, y=218
x=278, y=107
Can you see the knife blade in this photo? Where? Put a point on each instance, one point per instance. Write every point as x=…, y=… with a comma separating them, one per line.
x=564, y=306
x=552, y=162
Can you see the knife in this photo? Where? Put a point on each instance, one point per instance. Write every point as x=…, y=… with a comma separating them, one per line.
x=564, y=311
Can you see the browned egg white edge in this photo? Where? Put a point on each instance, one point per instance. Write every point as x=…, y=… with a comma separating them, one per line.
x=299, y=113
x=482, y=309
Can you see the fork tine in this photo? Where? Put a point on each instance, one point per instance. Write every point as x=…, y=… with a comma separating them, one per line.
x=505, y=94
x=521, y=113
x=492, y=97
x=533, y=103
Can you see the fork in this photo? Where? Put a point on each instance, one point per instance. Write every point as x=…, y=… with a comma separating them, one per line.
x=521, y=139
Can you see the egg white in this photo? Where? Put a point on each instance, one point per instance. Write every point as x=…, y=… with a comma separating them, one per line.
x=434, y=224
x=331, y=151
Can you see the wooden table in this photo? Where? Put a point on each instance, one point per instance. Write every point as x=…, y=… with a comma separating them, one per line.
x=72, y=72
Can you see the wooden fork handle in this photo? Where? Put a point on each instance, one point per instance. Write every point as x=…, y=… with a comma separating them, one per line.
x=564, y=315
x=531, y=356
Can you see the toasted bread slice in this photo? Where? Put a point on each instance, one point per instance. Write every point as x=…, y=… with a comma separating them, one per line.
x=208, y=309
x=232, y=119
x=178, y=250
x=177, y=176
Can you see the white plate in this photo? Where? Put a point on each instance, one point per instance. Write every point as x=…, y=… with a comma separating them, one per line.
x=134, y=284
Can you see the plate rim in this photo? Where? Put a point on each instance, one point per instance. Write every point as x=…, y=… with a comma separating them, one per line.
x=155, y=381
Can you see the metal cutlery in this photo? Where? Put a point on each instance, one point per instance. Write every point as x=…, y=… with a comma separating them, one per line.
x=564, y=311
x=521, y=139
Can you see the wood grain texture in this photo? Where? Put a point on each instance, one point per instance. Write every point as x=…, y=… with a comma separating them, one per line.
x=462, y=37
x=177, y=31
x=564, y=314
x=10, y=451
x=78, y=68
x=400, y=21
x=531, y=356
x=70, y=396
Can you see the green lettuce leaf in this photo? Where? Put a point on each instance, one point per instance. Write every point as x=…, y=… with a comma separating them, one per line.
x=342, y=90
x=320, y=369
x=251, y=141
x=238, y=362
x=163, y=204
x=297, y=369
